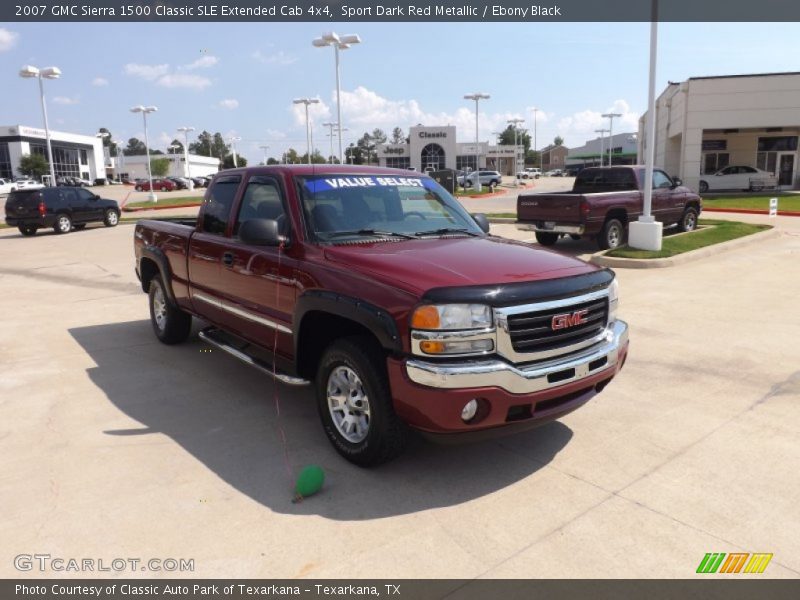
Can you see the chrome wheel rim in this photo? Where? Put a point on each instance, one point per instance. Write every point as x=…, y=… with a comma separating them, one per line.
x=614, y=237
x=112, y=218
x=159, y=308
x=348, y=404
x=690, y=222
x=63, y=224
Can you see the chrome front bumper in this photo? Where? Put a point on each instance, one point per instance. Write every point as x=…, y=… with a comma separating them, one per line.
x=571, y=229
x=523, y=380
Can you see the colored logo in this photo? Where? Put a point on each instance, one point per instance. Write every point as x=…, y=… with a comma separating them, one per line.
x=565, y=320
x=735, y=562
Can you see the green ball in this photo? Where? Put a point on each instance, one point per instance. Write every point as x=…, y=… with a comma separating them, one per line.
x=309, y=481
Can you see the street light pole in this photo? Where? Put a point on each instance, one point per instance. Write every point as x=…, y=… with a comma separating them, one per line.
x=145, y=110
x=331, y=126
x=610, y=117
x=516, y=123
x=601, y=132
x=536, y=110
x=233, y=139
x=185, y=131
x=307, y=101
x=477, y=97
x=338, y=42
x=265, y=148
x=29, y=72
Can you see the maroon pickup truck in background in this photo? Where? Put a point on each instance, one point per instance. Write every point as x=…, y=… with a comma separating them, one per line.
x=379, y=288
x=602, y=202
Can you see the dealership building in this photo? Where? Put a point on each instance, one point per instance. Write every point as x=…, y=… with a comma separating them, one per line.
x=135, y=167
x=706, y=123
x=620, y=149
x=435, y=148
x=73, y=154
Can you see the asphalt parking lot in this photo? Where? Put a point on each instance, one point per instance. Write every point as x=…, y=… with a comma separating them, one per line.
x=113, y=445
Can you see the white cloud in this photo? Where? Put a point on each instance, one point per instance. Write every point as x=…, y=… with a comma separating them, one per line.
x=161, y=75
x=183, y=80
x=274, y=134
x=8, y=39
x=65, y=100
x=229, y=103
x=165, y=139
x=148, y=72
x=276, y=58
x=580, y=126
x=317, y=113
x=203, y=62
x=99, y=81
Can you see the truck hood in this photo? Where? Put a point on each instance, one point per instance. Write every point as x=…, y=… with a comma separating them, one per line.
x=420, y=265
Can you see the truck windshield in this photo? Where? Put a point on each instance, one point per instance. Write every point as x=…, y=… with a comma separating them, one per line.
x=338, y=207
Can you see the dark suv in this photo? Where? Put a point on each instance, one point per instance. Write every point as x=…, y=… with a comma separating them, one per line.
x=62, y=208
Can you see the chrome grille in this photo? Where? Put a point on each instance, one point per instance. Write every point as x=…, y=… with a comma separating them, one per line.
x=532, y=332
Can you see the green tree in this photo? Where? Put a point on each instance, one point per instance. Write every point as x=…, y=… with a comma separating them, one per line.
x=159, y=167
x=398, y=137
x=210, y=145
x=135, y=147
x=558, y=141
x=378, y=136
x=523, y=137
x=33, y=165
x=178, y=149
x=227, y=162
x=108, y=141
x=272, y=161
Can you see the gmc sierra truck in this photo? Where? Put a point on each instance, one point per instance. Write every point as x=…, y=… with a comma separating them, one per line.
x=602, y=202
x=379, y=289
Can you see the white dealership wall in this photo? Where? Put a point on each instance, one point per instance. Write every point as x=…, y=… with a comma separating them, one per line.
x=20, y=137
x=733, y=111
x=136, y=166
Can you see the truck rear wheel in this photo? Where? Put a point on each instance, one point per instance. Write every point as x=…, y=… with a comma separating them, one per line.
x=688, y=220
x=546, y=239
x=28, y=230
x=612, y=236
x=355, y=403
x=170, y=324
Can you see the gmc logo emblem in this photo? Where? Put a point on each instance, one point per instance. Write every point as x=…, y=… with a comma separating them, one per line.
x=566, y=320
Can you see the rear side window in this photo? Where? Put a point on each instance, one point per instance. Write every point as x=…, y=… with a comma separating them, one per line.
x=217, y=209
x=605, y=180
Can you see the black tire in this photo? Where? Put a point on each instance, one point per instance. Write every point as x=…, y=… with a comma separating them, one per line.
x=756, y=187
x=28, y=230
x=574, y=236
x=63, y=224
x=170, y=324
x=386, y=435
x=111, y=218
x=612, y=236
x=79, y=226
x=703, y=187
x=688, y=221
x=138, y=188
x=546, y=238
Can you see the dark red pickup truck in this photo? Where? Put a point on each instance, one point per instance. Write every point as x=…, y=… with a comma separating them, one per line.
x=602, y=202
x=378, y=287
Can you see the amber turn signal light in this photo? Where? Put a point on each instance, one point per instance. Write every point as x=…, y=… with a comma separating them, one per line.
x=425, y=317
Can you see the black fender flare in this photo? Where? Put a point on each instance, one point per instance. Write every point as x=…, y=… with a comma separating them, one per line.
x=375, y=319
x=157, y=255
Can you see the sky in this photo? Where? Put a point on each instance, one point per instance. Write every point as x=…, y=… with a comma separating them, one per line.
x=240, y=78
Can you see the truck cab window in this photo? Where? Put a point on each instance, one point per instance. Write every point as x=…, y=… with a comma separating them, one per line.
x=262, y=200
x=217, y=209
x=661, y=181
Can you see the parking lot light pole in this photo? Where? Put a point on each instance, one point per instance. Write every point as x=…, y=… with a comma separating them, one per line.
x=601, y=132
x=145, y=110
x=265, y=148
x=477, y=97
x=536, y=110
x=331, y=126
x=307, y=101
x=185, y=131
x=118, y=145
x=339, y=42
x=515, y=123
x=233, y=139
x=610, y=117
x=30, y=72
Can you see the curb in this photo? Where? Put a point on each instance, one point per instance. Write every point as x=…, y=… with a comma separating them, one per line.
x=751, y=211
x=679, y=259
x=140, y=208
x=483, y=195
x=502, y=220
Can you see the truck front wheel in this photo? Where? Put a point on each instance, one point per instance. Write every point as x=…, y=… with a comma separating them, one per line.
x=355, y=403
x=612, y=236
x=170, y=324
x=546, y=239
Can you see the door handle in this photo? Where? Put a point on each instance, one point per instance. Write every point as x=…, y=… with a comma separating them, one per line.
x=227, y=258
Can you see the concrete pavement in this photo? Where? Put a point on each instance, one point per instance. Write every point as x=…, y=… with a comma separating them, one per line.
x=112, y=444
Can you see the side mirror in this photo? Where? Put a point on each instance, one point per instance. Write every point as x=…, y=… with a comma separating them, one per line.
x=261, y=232
x=482, y=221
x=677, y=181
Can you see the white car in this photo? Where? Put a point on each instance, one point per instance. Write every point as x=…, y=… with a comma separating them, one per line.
x=7, y=186
x=529, y=173
x=24, y=183
x=738, y=177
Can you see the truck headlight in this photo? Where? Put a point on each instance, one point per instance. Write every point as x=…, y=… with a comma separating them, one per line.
x=613, y=300
x=452, y=316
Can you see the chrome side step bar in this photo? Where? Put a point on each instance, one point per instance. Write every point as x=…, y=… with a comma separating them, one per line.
x=215, y=337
